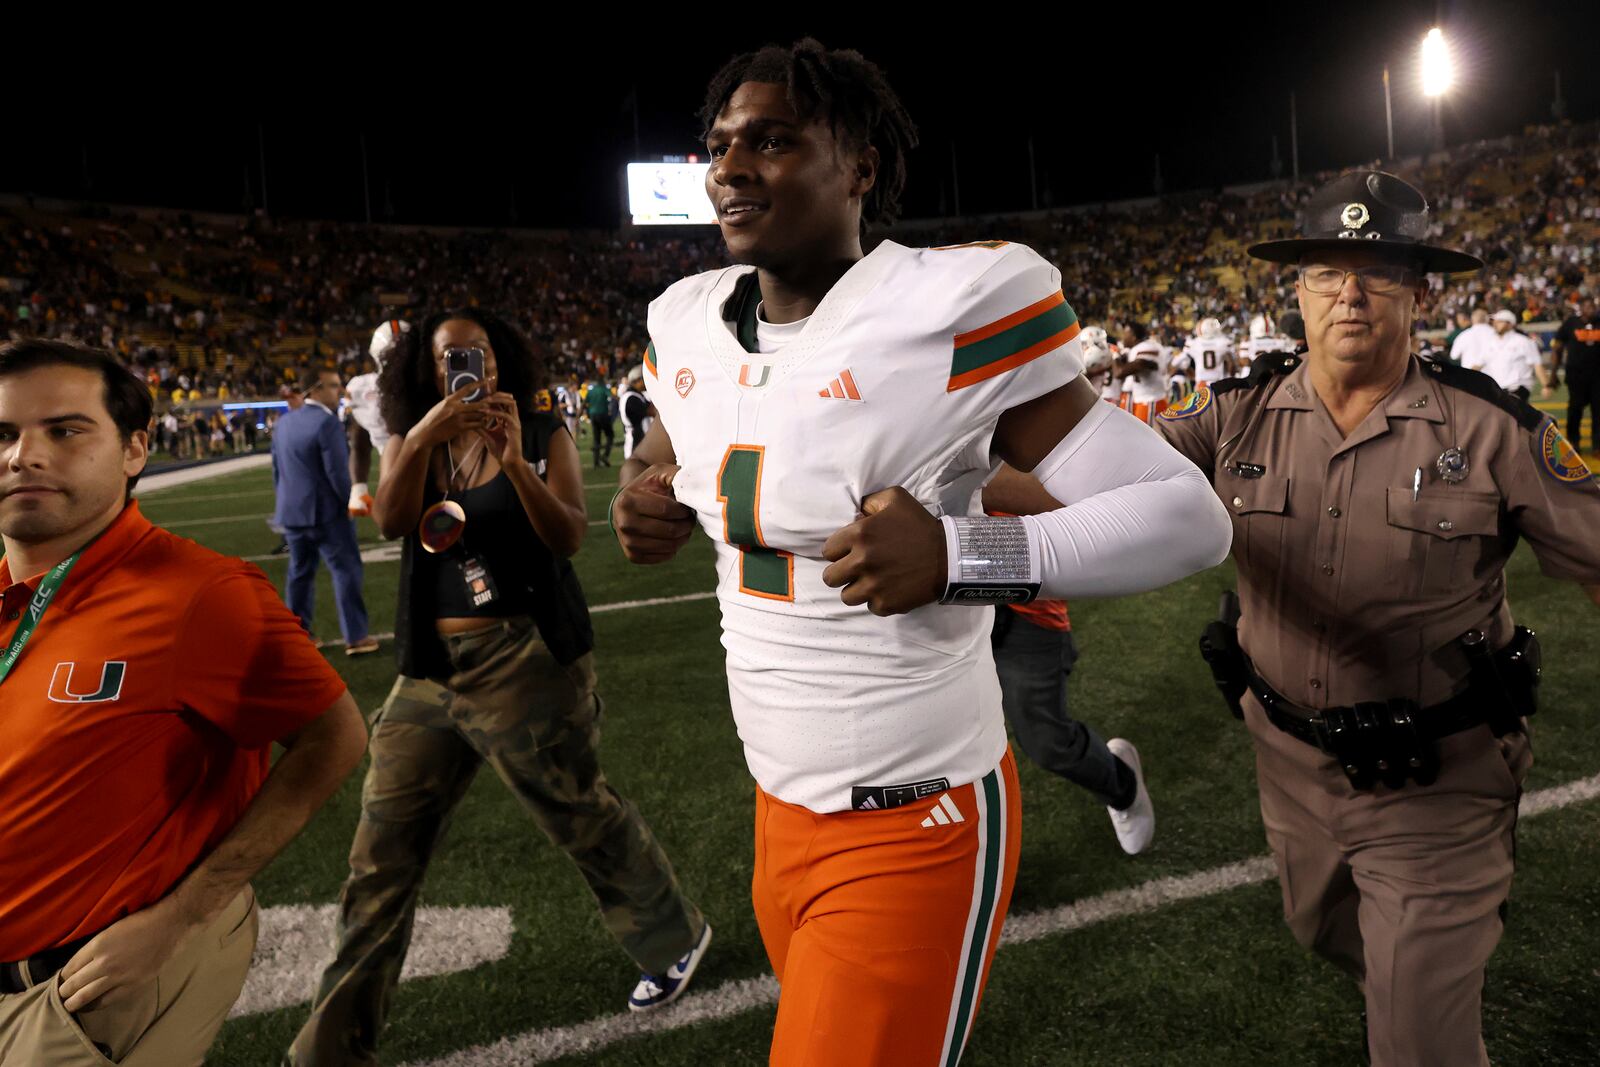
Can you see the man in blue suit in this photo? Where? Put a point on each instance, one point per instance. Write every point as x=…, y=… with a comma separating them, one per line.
x=311, y=473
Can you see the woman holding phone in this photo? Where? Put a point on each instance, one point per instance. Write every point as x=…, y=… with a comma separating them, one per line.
x=494, y=645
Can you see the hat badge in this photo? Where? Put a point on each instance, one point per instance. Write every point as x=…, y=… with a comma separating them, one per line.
x=1355, y=216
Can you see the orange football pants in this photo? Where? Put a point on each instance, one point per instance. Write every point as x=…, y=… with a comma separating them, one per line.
x=881, y=925
x=1145, y=413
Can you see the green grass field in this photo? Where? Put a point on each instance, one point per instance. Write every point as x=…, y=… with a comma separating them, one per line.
x=1208, y=981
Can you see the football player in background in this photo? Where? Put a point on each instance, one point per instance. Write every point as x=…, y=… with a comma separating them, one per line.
x=1211, y=352
x=1099, y=362
x=368, y=433
x=827, y=417
x=1144, y=369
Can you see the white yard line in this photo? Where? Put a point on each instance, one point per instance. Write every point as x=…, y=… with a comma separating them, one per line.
x=204, y=472
x=594, y=609
x=296, y=943
x=165, y=500
x=735, y=998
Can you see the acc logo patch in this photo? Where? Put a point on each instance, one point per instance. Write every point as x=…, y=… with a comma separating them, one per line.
x=542, y=402
x=1198, y=401
x=1558, y=458
x=684, y=382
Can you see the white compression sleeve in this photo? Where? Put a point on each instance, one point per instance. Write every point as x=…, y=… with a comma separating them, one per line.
x=1139, y=516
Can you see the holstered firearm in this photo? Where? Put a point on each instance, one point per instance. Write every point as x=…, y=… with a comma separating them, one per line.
x=1219, y=646
x=1507, y=681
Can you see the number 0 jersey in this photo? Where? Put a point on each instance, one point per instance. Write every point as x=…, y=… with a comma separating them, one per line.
x=897, y=379
x=1210, y=355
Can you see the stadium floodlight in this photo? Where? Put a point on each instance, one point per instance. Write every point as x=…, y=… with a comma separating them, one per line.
x=1438, y=73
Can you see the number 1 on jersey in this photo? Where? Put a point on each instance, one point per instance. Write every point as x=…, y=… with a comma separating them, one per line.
x=763, y=572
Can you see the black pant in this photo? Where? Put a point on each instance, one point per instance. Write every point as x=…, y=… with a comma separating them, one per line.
x=602, y=428
x=1033, y=664
x=1583, y=390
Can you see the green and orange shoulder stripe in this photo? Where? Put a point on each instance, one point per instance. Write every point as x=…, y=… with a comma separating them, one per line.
x=1016, y=337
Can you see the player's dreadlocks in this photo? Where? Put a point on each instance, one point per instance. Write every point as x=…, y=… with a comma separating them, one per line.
x=844, y=88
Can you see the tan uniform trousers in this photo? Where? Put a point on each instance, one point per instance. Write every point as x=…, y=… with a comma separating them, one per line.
x=1400, y=888
x=168, y=1020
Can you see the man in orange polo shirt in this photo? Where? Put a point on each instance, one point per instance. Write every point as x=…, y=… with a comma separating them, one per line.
x=143, y=679
x=1033, y=654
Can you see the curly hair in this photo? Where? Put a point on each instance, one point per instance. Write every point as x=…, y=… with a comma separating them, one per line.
x=408, y=389
x=841, y=87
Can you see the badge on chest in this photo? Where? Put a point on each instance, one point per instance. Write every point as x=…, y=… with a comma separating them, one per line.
x=478, y=582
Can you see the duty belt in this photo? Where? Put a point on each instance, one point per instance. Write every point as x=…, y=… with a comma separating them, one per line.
x=1317, y=728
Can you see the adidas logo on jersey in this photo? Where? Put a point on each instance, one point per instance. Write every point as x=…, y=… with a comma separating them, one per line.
x=944, y=813
x=841, y=388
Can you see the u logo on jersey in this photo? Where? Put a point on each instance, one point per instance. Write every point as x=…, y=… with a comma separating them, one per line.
x=744, y=375
x=62, y=684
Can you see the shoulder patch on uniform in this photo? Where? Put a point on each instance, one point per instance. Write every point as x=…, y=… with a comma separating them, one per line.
x=1478, y=384
x=542, y=402
x=1197, y=403
x=1557, y=457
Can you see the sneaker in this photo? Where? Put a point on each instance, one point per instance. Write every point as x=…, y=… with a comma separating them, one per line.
x=652, y=992
x=1136, y=824
x=362, y=647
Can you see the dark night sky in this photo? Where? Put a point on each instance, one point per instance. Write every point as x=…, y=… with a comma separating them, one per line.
x=459, y=122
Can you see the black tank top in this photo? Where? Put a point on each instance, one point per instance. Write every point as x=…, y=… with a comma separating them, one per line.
x=496, y=524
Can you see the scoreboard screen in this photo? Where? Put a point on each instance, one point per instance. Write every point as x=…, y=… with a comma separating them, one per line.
x=669, y=194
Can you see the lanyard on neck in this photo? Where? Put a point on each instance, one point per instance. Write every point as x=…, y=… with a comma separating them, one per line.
x=30, y=619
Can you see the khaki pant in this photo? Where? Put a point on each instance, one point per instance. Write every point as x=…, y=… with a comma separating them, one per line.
x=1400, y=888
x=511, y=705
x=168, y=1020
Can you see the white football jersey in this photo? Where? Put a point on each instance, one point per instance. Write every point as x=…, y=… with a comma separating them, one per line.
x=1149, y=386
x=1253, y=349
x=362, y=390
x=1210, y=355
x=897, y=379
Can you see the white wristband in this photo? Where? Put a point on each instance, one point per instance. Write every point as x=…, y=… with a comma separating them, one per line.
x=990, y=560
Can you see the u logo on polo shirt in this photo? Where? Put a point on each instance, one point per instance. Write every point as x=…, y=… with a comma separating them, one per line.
x=110, y=683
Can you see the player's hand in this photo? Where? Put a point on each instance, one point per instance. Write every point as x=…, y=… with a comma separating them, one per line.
x=503, y=427
x=124, y=955
x=892, y=558
x=453, y=416
x=651, y=525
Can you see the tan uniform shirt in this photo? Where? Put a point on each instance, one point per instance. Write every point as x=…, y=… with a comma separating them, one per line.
x=1352, y=587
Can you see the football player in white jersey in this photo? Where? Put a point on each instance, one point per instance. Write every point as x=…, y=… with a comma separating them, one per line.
x=1144, y=385
x=1099, y=362
x=1211, y=352
x=368, y=433
x=827, y=418
x=1268, y=336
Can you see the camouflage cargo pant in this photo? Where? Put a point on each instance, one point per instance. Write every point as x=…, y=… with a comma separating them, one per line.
x=537, y=724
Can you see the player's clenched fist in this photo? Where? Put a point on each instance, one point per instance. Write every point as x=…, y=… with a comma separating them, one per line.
x=892, y=558
x=651, y=525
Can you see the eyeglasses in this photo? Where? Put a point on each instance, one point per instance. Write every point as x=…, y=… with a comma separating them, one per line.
x=1376, y=278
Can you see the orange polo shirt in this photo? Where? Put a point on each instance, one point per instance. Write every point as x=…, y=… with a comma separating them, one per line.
x=136, y=726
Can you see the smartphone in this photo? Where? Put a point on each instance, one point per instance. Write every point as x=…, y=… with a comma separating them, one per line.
x=463, y=365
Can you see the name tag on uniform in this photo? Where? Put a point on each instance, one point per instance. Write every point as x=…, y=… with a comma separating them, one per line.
x=480, y=586
x=1247, y=470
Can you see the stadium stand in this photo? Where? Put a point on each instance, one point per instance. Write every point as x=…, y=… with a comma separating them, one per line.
x=234, y=306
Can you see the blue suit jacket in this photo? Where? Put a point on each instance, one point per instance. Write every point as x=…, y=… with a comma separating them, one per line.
x=310, y=468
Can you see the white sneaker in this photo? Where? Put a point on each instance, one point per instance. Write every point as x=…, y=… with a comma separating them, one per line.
x=1137, y=824
x=654, y=991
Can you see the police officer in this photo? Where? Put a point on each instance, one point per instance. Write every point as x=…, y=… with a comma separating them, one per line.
x=1375, y=500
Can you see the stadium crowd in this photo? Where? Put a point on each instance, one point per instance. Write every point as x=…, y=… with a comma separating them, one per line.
x=213, y=307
